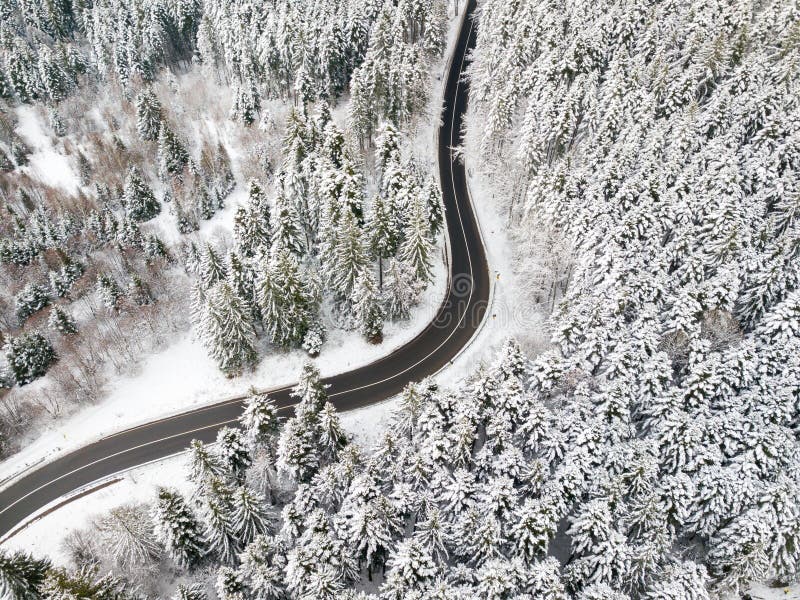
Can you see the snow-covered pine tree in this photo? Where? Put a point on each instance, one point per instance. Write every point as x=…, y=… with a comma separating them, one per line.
x=401, y=290
x=194, y=591
x=178, y=529
x=108, y=291
x=61, y=321
x=349, y=257
x=249, y=515
x=233, y=453
x=287, y=298
x=383, y=232
x=204, y=464
x=28, y=356
x=140, y=202
x=218, y=514
x=172, y=156
x=32, y=298
x=212, y=268
x=367, y=308
x=416, y=249
x=260, y=421
x=227, y=330
x=22, y=576
x=148, y=115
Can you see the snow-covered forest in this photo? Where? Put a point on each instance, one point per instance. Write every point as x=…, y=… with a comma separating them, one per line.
x=253, y=162
x=646, y=155
x=648, y=158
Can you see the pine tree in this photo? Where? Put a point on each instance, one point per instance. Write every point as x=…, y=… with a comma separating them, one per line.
x=410, y=568
x=229, y=585
x=32, y=298
x=140, y=202
x=233, y=453
x=349, y=258
x=220, y=529
x=148, y=115
x=128, y=538
x=212, y=268
x=434, y=206
x=172, y=156
x=288, y=231
x=178, y=529
x=367, y=308
x=249, y=515
x=227, y=330
x=194, y=591
x=416, y=249
x=22, y=576
x=61, y=321
x=204, y=465
x=286, y=298
x=108, y=291
x=28, y=356
x=332, y=436
x=401, y=292
x=260, y=421
x=383, y=232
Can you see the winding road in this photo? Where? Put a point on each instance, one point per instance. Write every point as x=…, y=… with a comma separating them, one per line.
x=457, y=320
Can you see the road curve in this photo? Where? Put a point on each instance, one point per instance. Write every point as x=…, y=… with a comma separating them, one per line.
x=455, y=323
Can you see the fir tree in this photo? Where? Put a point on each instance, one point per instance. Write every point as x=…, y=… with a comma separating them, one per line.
x=227, y=330
x=108, y=291
x=368, y=309
x=28, y=356
x=61, y=321
x=22, y=576
x=140, y=202
x=416, y=249
x=233, y=453
x=148, y=115
x=172, y=156
x=177, y=528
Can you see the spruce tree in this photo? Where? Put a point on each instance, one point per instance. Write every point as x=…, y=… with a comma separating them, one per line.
x=22, y=576
x=140, y=202
x=194, y=591
x=212, y=268
x=108, y=291
x=233, y=453
x=148, y=115
x=172, y=156
x=28, y=356
x=368, y=309
x=227, y=329
x=61, y=321
x=220, y=530
x=417, y=248
x=260, y=421
x=178, y=529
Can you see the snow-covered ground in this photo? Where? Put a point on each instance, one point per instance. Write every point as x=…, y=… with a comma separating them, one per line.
x=45, y=163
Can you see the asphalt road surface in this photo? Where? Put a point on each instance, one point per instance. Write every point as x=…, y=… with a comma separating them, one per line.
x=456, y=322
